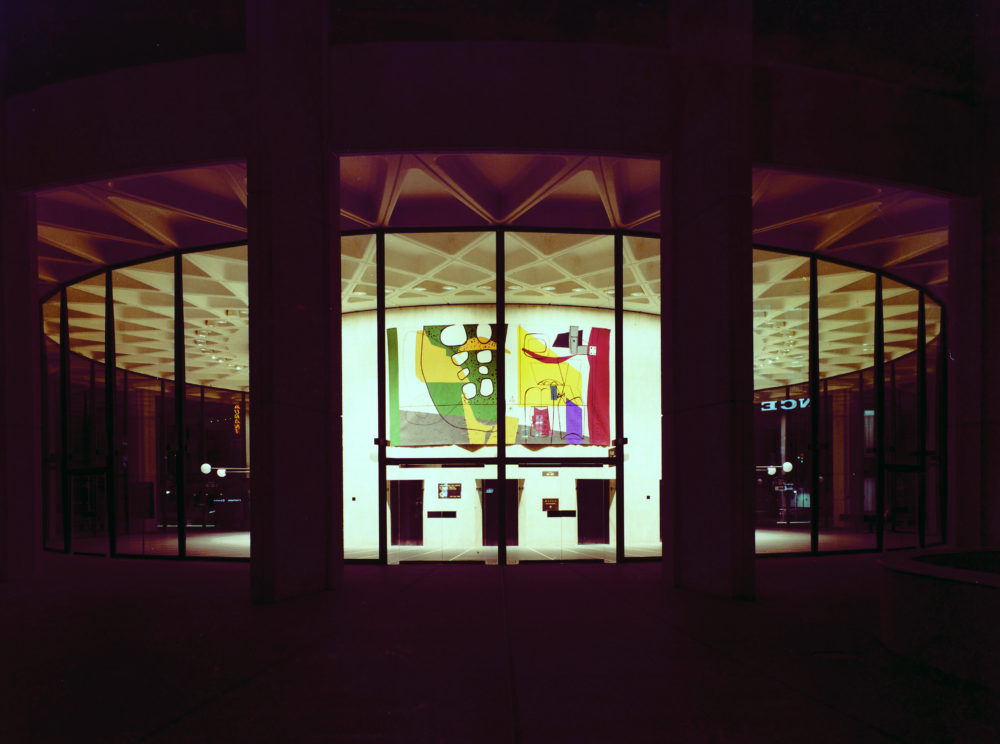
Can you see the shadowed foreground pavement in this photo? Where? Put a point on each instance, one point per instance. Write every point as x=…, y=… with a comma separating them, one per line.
x=128, y=651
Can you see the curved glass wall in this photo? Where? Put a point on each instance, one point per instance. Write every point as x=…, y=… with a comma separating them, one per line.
x=147, y=409
x=847, y=408
x=488, y=421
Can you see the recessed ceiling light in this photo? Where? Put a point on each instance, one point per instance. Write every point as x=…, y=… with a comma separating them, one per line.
x=635, y=294
x=420, y=289
x=446, y=286
x=548, y=288
x=513, y=286
x=487, y=287
x=577, y=289
x=359, y=294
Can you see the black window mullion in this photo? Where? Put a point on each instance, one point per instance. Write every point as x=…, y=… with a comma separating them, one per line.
x=180, y=385
x=814, y=408
x=942, y=425
x=43, y=391
x=123, y=435
x=110, y=364
x=64, y=419
x=380, y=438
x=879, y=416
x=619, y=439
x=501, y=391
x=922, y=422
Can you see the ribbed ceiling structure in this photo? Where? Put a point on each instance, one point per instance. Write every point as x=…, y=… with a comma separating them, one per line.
x=85, y=227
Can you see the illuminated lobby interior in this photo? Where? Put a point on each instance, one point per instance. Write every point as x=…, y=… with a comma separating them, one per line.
x=440, y=462
x=456, y=372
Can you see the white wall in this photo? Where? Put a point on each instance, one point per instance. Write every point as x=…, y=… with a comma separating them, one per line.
x=642, y=428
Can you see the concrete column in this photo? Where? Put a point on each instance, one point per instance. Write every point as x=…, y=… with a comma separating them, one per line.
x=966, y=320
x=708, y=462
x=20, y=411
x=988, y=63
x=20, y=414
x=296, y=544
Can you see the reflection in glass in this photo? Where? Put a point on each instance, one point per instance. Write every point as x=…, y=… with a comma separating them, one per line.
x=781, y=402
x=54, y=525
x=846, y=312
x=216, y=405
x=934, y=512
x=782, y=432
x=87, y=444
x=145, y=465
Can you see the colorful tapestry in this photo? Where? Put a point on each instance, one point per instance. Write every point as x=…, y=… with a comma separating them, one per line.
x=563, y=387
x=451, y=396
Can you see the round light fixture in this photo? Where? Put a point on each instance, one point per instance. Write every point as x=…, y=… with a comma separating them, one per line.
x=221, y=472
x=771, y=470
x=206, y=468
x=787, y=467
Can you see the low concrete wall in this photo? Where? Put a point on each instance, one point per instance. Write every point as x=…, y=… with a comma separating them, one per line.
x=942, y=607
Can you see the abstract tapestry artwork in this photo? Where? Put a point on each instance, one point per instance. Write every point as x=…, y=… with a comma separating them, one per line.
x=449, y=395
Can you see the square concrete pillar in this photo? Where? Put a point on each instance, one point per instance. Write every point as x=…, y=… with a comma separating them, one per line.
x=966, y=446
x=294, y=275
x=708, y=338
x=20, y=410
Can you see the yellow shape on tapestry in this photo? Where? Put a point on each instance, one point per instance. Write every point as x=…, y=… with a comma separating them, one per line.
x=433, y=363
x=535, y=378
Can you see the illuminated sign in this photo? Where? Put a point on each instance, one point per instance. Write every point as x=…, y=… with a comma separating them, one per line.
x=788, y=404
x=550, y=505
x=236, y=419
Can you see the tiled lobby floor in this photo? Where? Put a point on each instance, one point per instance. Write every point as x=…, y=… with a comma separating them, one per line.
x=157, y=651
x=237, y=545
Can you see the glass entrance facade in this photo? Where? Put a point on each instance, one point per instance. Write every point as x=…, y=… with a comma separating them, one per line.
x=490, y=421
x=500, y=403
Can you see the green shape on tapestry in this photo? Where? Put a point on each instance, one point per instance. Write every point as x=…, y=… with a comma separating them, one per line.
x=447, y=397
x=392, y=373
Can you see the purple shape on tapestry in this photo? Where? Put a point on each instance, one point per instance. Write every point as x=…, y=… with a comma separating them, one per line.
x=574, y=423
